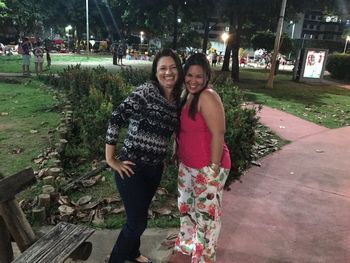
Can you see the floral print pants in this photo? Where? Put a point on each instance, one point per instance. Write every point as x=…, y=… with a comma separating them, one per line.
x=199, y=203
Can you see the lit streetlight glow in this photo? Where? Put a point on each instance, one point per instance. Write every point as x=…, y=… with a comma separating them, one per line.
x=293, y=28
x=224, y=37
x=141, y=36
x=346, y=43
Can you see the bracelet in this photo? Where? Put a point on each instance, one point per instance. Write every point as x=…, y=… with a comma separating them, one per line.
x=214, y=166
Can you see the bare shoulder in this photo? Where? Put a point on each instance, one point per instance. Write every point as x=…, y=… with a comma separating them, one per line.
x=209, y=98
x=209, y=95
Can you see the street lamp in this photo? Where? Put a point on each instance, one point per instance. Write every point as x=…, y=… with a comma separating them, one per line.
x=293, y=27
x=224, y=37
x=87, y=27
x=346, y=43
x=141, y=36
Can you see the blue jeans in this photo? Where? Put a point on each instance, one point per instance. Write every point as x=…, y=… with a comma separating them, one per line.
x=137, y=193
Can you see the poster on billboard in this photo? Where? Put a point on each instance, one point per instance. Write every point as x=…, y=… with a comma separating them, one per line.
x=314, y=61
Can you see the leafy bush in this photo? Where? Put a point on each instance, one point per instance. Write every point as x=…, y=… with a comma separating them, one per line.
x=134, y=77
x=241, y=124
x=339, y=66
x=93, y=94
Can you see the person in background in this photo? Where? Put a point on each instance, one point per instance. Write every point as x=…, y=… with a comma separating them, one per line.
x=214, y=58
x=120, y=54
x=242, y=61
x=204, y=163
x=115, y=53
x=220, y=58
x=26, y=48
x=48, y=58
x=152, y=112
x=38, y=52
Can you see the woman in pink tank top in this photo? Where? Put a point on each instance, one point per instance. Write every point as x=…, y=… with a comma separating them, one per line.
x=204, y=163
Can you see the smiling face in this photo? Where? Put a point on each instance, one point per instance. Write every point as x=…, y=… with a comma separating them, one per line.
x=195, y=79
x=167, y=73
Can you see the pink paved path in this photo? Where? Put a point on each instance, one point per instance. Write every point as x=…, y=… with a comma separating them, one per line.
x=295, y=208
x=287, y=126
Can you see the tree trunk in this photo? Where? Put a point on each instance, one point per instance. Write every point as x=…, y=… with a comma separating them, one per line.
x=79, y=39
x=226, y=63
x=206, y=35
x=235, y=47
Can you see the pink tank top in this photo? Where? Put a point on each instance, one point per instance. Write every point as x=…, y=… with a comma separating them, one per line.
x=194, y=142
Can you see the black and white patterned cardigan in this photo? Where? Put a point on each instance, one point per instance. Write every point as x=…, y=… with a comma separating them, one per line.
x=152, y=121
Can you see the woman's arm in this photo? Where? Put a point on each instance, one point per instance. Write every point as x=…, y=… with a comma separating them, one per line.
x=131, y=106
x=212, y=110
x=122, y=167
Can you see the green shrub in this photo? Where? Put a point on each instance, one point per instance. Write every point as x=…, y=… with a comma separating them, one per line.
x=134, y=77
x=93, y=94
x=339, y=66
x=241, y=124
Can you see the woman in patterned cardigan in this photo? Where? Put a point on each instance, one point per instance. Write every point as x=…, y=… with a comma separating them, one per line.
x=152, y=112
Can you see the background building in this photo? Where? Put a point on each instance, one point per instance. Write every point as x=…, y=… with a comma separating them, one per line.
x=316, y=29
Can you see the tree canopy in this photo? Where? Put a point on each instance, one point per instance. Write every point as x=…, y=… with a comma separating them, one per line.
x=266, y=39
x=168, y=20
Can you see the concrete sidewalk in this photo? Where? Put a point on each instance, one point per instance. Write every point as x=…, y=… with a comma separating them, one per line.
x=103, y=242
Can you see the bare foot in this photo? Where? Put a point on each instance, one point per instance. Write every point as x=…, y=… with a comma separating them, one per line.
x=142, y=259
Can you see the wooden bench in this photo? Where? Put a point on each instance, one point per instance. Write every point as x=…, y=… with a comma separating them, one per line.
x=63, y=241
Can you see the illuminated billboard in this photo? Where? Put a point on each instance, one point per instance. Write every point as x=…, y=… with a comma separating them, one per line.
x=314, y=61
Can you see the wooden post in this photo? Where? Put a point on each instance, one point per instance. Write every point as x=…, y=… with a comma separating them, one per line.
x=13, y=216
x=17, y=224
x=39, y=214
x=6, y=252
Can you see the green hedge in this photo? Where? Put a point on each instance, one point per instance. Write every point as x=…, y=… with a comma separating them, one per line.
x=241, y=124
x=339, y=66
x=93, y=93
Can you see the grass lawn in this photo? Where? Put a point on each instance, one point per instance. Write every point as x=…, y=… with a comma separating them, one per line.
x=27, y=113
x=13, y=64
x=26, y=117
x=322, y=104
x=319, y=103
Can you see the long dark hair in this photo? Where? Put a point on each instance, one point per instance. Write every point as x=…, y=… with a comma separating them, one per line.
x=178, y=86
x=201, y=60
